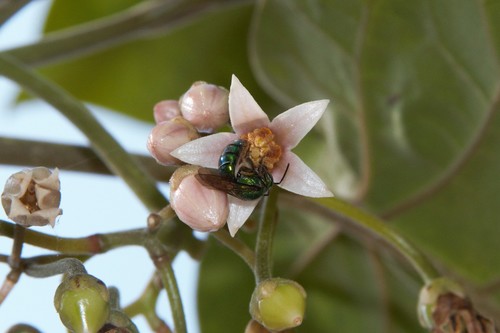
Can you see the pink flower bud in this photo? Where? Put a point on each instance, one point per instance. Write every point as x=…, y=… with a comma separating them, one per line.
x=166, y=110
x=201, y=208
x=32, y=197
x=205, y=106
x=168, y=136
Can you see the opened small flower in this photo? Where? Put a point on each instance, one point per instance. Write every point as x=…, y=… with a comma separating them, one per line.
x=271, y=143
x=32, y=197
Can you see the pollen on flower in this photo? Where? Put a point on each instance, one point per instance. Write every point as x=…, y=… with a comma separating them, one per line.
x=263, y=149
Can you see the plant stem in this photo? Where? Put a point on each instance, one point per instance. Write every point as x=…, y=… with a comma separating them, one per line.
x=17, y=246
x=9, y=7
x=163, y=263
x=146, y=305
x=237, y=246
x=97, y=243
x=111, y=153
x=144, y=19
x=70, y=266
x=338, y=210
x=68, y=157
x=265, y=237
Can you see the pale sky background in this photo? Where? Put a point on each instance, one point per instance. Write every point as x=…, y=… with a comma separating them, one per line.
x=91, y=204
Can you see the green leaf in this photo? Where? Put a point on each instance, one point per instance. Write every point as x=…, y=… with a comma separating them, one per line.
x=414, y=90
x=132, y=77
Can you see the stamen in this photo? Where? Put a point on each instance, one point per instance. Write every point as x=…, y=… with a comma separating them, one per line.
x=263, y=149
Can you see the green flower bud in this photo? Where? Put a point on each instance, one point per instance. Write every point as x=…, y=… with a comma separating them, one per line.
x=278, y=304
x=444, y=307
x=428, y=299
x=82, y=302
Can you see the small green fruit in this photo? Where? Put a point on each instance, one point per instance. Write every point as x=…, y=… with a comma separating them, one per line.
x=82, y=302
x=278, y=304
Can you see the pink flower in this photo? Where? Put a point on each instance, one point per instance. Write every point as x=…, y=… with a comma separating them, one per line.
x=288, y=129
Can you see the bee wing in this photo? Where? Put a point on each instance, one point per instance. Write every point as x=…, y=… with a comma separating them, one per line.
x=212, y=179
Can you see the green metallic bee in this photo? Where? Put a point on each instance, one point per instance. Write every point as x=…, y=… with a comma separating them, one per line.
x=236, y=175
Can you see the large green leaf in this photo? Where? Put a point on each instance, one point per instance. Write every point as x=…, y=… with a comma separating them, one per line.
x=132, y=77
x=414, y=86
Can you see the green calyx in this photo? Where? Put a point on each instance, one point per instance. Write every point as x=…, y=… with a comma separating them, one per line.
x=278, y=304
x=429, y=295
x=82, y=302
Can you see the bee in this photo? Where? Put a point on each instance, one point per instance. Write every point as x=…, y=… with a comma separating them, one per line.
x=236, y=175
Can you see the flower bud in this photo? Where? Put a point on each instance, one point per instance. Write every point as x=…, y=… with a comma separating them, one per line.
x=82, y=302
x=444, y=307
x=32, y=197
x=278, y=304
x=166, y=110
x=198, y=206
x=168, y=136
x=205, y=106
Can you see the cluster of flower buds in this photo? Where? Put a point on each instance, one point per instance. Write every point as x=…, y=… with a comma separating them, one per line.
x=238, y=167
x=32, y=197
x=202, y=109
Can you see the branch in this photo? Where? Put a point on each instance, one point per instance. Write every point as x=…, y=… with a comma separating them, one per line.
x=68, y=157
x=142, y=20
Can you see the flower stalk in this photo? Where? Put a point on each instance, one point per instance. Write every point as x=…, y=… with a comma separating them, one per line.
x=237, y=246
x=93, y=244
x=265, y=237
x=146, y=305
x=163, y=263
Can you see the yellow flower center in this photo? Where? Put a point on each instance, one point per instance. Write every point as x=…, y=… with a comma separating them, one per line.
x=262, y=149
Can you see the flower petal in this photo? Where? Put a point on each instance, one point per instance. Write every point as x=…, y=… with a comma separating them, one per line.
x=244, y=112
x=204, y=151
x=292, y=125
x=299, y=178
x=239, y=211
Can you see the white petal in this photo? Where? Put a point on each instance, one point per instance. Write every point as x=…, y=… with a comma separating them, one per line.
x=204, y=151
x=291, y=126
x=299, y=178
x=244, y=112
x=239, y=211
